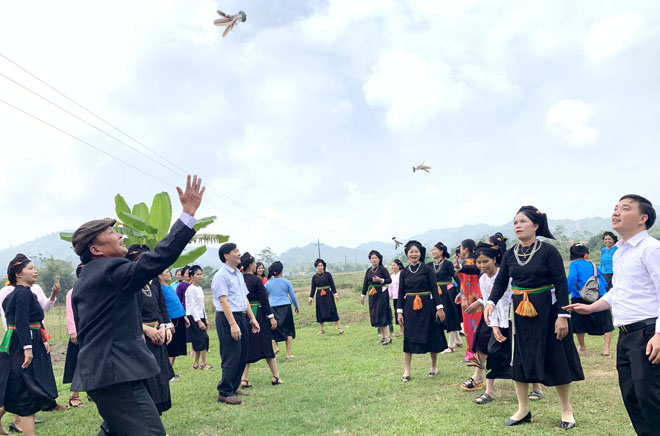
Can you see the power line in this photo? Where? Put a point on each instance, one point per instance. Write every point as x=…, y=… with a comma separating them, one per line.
x=169, y=167
x=121, y=160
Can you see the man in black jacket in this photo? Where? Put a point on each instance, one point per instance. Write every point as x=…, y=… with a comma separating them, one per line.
x=114, y=359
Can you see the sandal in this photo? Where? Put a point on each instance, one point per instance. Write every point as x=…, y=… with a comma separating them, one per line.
x=246, y=384
x=340, y=330
x=535, y=395
x=320, y=332
x=483, y=399
x=433, y=373
x=206, y=367
x=387, y=341
x=276, y=382
x=471, y=385
x=447, y=350
x=405, y=378
x=76, y=402
x=195, y=366
x=3, y=430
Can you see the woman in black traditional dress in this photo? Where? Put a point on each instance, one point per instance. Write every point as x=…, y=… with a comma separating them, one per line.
x=261, y=343
x=157, y=328
x=323, y=286
x=379, y=299
x=445, y=275
x=27, y=384
x=420, y=310
x=72, y=348
x=543, y=348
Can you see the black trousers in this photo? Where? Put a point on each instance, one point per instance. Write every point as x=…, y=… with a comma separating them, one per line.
x=639, y=380
x=127, y=410
x=233, y=353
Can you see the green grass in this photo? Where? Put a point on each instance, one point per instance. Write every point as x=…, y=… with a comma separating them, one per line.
x=350, y=385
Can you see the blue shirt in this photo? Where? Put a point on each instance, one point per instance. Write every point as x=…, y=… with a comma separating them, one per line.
x=579, y=271
x=280, y=292
x=228, y=282
x=174, y=307
x=606, y=255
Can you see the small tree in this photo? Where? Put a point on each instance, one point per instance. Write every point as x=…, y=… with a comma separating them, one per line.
x=49, y=268
x=141, y=225
x=266, y=256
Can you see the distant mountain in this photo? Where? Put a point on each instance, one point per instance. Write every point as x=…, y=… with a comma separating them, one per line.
x=52, y=245
x=574, y=229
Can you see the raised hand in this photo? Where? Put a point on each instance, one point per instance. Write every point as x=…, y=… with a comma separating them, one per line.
x=192, y=197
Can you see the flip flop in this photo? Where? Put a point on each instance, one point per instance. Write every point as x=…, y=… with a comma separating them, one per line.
x=471, y=385
x=535, y=395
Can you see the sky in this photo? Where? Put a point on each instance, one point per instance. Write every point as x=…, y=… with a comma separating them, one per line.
x=306, y=120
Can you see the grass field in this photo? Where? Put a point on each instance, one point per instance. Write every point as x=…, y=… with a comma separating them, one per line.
x=350, y=385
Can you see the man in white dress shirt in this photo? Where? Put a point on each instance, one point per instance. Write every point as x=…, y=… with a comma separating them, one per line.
x=635, y=303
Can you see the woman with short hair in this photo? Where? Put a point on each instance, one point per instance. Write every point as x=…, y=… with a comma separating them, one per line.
x=281, y=295
x=199, y=323
x=606, y=255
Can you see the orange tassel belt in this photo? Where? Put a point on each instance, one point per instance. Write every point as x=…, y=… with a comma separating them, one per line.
x=417, y=303
x=372, y=288
x=526, y=308
x=323, y=290
x=153, y=325
x=443, y=284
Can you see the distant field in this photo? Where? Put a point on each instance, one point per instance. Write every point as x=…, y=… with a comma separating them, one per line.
x=350, y=385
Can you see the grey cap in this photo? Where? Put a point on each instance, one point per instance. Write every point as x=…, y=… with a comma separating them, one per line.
x=85, y=234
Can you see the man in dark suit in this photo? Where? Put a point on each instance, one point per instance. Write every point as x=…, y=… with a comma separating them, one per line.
x=114, y=360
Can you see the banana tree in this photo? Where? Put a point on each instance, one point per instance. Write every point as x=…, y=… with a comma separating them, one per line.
x=142, y=225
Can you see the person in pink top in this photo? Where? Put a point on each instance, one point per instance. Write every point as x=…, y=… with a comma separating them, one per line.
x=393, y=289
x=72, y=349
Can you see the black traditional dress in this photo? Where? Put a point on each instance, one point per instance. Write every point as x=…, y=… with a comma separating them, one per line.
x=379, y=299
x=261, y=344
x=154, y=313
x=446, y=275
x=540, y=287
x=25, y=391
x=324, y=288
x=423, y=332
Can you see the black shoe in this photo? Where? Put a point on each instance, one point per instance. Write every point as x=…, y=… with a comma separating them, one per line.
x=510, y=422
x=567, y=425
x=13, y=429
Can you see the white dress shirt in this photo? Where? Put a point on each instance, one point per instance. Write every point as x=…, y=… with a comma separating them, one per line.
x=635, y=293
x=500, y=315
x=195, y=302
x=45, y=303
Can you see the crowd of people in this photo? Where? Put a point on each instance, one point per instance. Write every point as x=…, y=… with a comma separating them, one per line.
x=515, y=311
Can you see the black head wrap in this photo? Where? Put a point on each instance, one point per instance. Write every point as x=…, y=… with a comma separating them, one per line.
x=246, y=260
x=135, y=251
x=321, y=261
x=413, y=243
x=275, y=268
x=442, y=247
x=538, y=218
x=378, y=255
x=399, y=264
x=16, y=265
x=488, y=250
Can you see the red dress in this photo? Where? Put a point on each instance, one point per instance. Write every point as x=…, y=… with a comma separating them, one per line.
x=469, y=275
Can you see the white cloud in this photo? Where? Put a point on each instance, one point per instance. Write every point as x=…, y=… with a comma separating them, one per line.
x=413, y=89
x=571, y=117
x=611, y=36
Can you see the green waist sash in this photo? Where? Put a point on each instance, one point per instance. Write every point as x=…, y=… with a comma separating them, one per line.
x=254, y=305
x=526, y=308
x=6, y=339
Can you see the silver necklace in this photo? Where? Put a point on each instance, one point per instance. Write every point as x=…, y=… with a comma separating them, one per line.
x=436, y=266
x=419, y=265
x=146, y=291
x=523, y=257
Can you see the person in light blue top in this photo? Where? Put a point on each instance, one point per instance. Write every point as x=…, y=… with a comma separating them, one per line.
x=600, y=323
x=281, y=295
x=232, y=321
x=177, y=346
x=606, y=255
